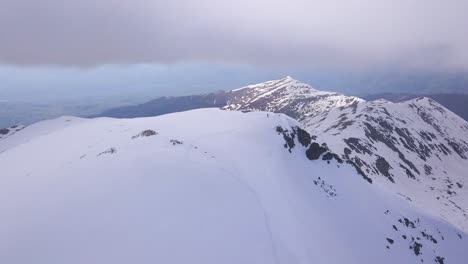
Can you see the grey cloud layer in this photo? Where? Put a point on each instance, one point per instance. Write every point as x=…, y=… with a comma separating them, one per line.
x=354, y=32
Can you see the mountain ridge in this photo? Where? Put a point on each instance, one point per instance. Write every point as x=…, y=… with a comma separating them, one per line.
x=416, y=148
x=457, y=103
x=169, y=104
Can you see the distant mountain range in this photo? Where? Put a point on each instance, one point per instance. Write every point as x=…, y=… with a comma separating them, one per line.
x=457, y=103
x=166, y=105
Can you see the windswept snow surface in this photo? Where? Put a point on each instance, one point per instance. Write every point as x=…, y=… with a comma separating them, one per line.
x=204, y=186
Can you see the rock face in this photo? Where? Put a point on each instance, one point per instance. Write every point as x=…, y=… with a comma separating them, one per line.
x=4, y=131
x=315, y=151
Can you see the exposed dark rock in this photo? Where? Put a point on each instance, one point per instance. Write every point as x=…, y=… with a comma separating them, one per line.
x=426, y=117
x=444, y=149
x=390, y=240
x=330, y=156
x=358, y=146
x=427, y=169
x=406, y=197
x=458, y=149
x=341, y=124
x=383, y=166
x=175, y=142
x=407, y=222
x=146, y=133
x=429, y=237
x=289, y=138
x=376, y=136
x=329, y=190
x=109, y=151
x=315, y=151
x=4, y=131
x=409, y=163
x=359, y=171
x=416, y=247
x=303, y=136
x=408, y=172
x=347, y=152
x=351, y=104
x=439, y=260
x=426, y=136
x=404, y=133
x=385, y=124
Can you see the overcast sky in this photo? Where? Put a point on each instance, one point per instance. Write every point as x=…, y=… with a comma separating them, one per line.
x=417, y=35
x=90, y=32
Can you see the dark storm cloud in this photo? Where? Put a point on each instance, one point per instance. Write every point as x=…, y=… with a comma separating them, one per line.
x=357, y=32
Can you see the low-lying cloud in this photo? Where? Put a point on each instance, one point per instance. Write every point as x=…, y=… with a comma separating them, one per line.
x=358, y=33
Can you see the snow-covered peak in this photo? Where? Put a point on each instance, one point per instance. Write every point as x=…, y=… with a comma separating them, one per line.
x=285, y=82
x=286, y=95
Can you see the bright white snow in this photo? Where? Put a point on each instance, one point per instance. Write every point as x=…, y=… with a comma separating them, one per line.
x=224, y=190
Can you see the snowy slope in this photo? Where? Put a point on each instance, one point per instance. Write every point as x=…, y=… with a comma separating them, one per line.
x=417, y=149
x=204, y=186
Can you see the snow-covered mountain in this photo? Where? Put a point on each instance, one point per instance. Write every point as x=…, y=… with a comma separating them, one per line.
x=211, y=186
x=418, y=149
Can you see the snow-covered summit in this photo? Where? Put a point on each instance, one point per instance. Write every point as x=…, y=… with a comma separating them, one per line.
x=285, y=81
x=286, y=95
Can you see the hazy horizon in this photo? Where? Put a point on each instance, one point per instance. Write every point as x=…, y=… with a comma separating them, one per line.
x=61, y=50
x=145, y=81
